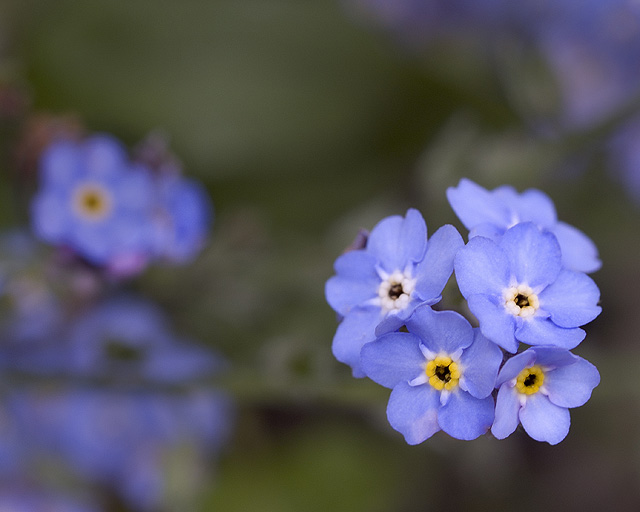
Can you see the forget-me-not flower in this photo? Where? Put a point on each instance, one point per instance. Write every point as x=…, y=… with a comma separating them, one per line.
x=93, y=200
x=442, y=373
x=490, y=213
x=519, y=291
x=376, y=288
x=537, y=387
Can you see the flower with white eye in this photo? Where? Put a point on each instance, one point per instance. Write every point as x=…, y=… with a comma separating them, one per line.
x=376, y=288
x=520, y=292
x=537, y=387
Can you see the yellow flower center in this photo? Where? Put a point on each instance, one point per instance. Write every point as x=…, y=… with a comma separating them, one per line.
x=92, y=201
x=521, y=301
x=443, y=373
x=530, y=380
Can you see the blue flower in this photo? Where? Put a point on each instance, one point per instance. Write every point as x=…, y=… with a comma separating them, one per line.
x=519, y=291
x=122, y=439
x=490, y=213
x=442, y=373
x=182, y=219
x=128, y=338
x=537, y=387
x=592, y=48
x=377, y=288
x=94, y=201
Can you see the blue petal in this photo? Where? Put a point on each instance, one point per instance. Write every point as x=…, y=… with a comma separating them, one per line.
x=506, y=415
x=480, y=362
x=393, y=358
x=496, y=323
x=571, y=385
x=397, y=241
x=571, y=299
x=354, y=331
x=413, y=411
x=433, y=272
x=481, y=267
x=487, y=230
x=59, y=164
x=534, y=256
x=104, y=156
x=514, y=365
x=544, y=421
x=393, y=320
x=542, y=331
x=465, y=417
x=355, y=283
x=445, y=331
x=553, y=357
x=535, y=206
x=474, y=205
x=578, y=250
x=50, y=217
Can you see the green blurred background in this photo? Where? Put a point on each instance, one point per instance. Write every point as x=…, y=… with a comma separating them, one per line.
x=306, y=124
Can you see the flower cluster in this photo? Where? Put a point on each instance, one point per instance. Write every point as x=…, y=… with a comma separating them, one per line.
x=523, y=275
x=116, y=213
x=96, y=384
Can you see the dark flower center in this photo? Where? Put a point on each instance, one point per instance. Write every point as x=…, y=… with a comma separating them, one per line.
x=92, y=202
x=119, y=351
x=443, y=373
x=395, y=291
x=530, y=380
x=522, y=300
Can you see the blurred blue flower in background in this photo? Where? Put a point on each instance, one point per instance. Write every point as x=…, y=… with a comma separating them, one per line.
x=126, y=338
x=491, y=213
x=182, y=219
x=116, y=213
x=24, y=497
x=377, y=288
x=442, y=373
x=592, y=49
x=520, y=292
x=119, y=438
x=537, y=387
x=95, y=202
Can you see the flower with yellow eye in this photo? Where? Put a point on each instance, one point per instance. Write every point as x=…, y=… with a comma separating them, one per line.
x=537, y=387
x=520, y=292
x=93, y=200
x=441, y=372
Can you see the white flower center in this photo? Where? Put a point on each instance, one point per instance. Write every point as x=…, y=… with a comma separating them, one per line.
x=395, y=290
x=520, y=301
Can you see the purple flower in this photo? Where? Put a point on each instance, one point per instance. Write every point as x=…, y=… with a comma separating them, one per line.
x=442, y=373
x=377, y=288
x=94, y=201
x=490, y=213
x=519, y=291
x=537, y=387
